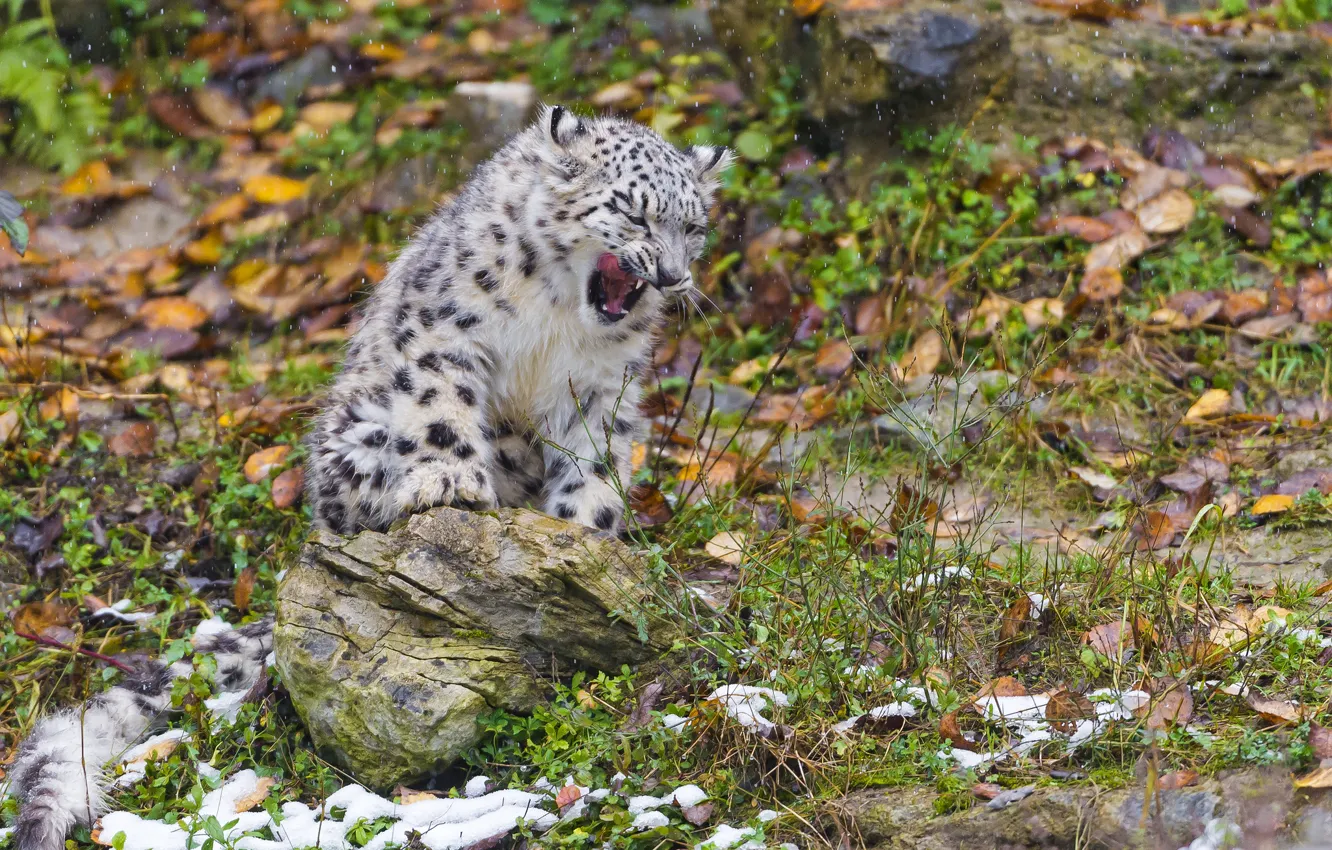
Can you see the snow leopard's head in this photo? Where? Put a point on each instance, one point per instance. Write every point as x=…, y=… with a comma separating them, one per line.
x=641, y=200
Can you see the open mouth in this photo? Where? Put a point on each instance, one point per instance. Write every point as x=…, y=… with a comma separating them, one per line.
x=613, y=291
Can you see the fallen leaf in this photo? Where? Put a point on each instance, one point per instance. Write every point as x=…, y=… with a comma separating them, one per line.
x=986, y=790
x=45, y=619
x=1320, y=741
x=1248, y=224
x=1268, y=327
x=698, y=815
x=950, y=731
x=1214, y=402
x=727, y=547
x=1004, y=686
x=1099, y=480
x=172, y=311
x=207, y=250
x=1080, y=226
x=178, y=115
x=275, y=189
x=221, y=110
x=327, y=114
x=244, y=588
x=262, y=463
x=1172, y=706
x=287, y=487
x=1015, y=618
x=1101, y=284
x=1319, y=777
x=1042, y=312
x=806, y=8
x=1156, y=530
x=1066, y=707
x=834, y=357
x=567, y=795
x=621, y=95
x=9, y=426
x=1177, y=779
x=1314, y=298
x=257, y=796
x=923, y=357
x=1272, y=503
x=1276, y=711
x=1168, y=212
x=138, y=439
x=229, y=209
x=649, y=505
x=1117, y=251
x=266, y=118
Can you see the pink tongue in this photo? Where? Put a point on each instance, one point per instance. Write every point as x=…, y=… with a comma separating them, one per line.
x=614, y=282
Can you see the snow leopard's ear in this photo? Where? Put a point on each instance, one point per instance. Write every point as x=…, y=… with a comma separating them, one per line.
x=710, y=161
x=560, y=125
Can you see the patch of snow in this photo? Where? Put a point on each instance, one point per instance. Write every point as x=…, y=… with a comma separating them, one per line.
x=476, y=786
x=935, y=578
x=767, y=816
x=650, y=820
x=674, y=722
x=745, y=704
x=727, y=836
x=688, y=795
x=1219, y=834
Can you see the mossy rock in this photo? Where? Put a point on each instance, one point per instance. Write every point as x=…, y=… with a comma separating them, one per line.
x=393, y=645
x=1008, y=67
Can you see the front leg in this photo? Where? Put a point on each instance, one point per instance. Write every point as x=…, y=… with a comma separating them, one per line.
x=443, y=442
x=588, y=460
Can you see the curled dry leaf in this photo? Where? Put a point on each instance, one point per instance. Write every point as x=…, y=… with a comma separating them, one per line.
x=1171, y=705
x=1320, y=741
x=987, y=790
x=727, y=547
x=649, y=505
x=138, y=439
x=1319, y=777
x=257, y=796
x=1177, y=779
x=1214, y=402
x=1168, y=212
x=1099, y=480
x=221, y=110
x=261, y=464
x=950, y=731
x=1004, y=686
x=243, y=589
x=49, y=619
x=1065, y=707
x=9, y=426
x=1080, y=226
x=567, y=795
x=1017, y=616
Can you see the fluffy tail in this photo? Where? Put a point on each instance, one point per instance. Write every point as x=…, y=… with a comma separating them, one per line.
x=59, y=775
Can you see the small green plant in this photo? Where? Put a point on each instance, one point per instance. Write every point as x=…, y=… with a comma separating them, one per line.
x=55, y=119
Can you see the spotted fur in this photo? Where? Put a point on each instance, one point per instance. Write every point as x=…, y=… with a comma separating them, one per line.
x=59, y=775
x=484, y=373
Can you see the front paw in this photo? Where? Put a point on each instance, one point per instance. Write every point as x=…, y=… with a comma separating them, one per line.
x=455, y=483
x=599, y=508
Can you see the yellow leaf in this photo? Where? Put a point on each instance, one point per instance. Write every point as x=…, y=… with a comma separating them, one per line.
x=230, y=208
x=206, y=251
x=173, y=311
x=9, y=425
x=382, y=51
x=1168, y=212
x=1273, y=503
x=92, y=178
x=262, y=463
x=266, y=118
x=326, y=114
x=275, y=189
x=1214, y=402
x=1319, y=777
x=727, y=547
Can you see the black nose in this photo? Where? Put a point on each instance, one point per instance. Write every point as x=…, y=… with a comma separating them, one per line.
x=667, y=279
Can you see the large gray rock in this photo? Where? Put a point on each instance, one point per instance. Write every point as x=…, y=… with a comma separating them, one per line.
x=925, y=63
x=392, y=645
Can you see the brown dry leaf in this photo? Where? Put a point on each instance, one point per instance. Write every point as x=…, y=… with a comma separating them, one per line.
x=1080, y=226
x=137, y=440
x=1015, y=618
x=275, y=189
x=1110, y=639
x=178, y=115
x=923, y=357
x=950, y=731
x=262, y=463
x=1319, y=777
x=44, y=618
x=1268, y=327
x=1004, y=686
x=1272, y=503
x=159, y=750
x=1066, y=707
x=567, y=795
x=1314, y=298
x=621, y=95
x=243, y=589
x=221, y=110
x=1239, y=307
x=1042, y=312
x=1177, y=779
x=698, y=815
x=172, y=311
x=287, y=487
x=649, y=505
x=1320, y=741
x=727, y=547
x=257, y=796
x=1118, y=251
x=1168, y=212
x=63, y=405
x=1171, y=706
x=1214, y=402
x=1091, y=10
x=987, y=790
x=1101, y=284
x=1313, y=162
x=1277, y=711
x=1156, y=530
x=834, y=357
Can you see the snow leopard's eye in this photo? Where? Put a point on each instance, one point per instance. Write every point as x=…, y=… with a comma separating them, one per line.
x=694, y=230
x=637, y=220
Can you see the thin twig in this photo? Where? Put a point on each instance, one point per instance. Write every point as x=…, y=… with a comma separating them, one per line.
x=42, y=640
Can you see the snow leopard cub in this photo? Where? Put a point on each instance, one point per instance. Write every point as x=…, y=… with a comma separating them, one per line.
x=498, y=359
